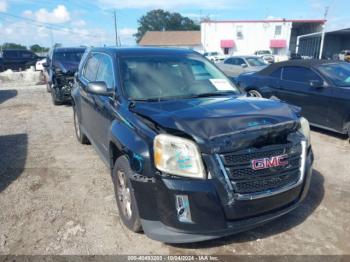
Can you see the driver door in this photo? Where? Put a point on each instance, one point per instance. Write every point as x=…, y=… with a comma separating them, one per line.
x=295, y=89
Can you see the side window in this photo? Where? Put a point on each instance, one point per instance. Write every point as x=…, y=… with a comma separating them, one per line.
x=233, y=61
x=26, y=54
x=10, y=54
x=228, y=61
x=277, y=73
x=299, y=74
x=240, y=61
x=90, y=68
x=105, y=71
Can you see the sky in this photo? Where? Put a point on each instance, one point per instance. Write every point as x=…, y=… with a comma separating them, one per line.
x=86, y=22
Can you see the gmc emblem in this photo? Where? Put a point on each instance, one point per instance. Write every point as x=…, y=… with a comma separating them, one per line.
x=264, y=163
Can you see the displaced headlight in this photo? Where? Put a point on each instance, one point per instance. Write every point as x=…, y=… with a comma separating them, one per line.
x=178, y=156
x=305, y=129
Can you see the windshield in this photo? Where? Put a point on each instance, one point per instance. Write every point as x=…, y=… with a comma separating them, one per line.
x=253, y=61
x=265, y=52
x=68, y=56
x=339, y=73
x=170, y=77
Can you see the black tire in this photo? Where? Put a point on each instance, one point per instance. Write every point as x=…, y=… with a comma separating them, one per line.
x=254, y=93
x=82, y=138
x=55, y=100
x=124, y=193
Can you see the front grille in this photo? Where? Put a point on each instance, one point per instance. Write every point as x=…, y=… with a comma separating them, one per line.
x=245, y=180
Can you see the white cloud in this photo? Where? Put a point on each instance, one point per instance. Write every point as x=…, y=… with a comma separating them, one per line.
x=78, y=23
x=3, y=6
x=166, y=4
x=58, y=15
x=126, y=36
x=27, y=13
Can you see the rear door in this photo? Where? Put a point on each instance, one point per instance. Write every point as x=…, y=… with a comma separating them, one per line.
x=295, y=89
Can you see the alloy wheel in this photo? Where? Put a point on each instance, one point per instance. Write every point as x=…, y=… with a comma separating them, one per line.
x=124, y=195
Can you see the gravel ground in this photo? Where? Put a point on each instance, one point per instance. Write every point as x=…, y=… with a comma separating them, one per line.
x=56, y=196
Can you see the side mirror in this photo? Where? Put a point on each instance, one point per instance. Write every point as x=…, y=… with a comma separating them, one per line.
x=316, y=84
x=244, y=65
x=99, y=88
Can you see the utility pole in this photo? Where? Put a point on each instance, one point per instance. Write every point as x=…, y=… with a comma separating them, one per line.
x=323, y=32
x=115, y=28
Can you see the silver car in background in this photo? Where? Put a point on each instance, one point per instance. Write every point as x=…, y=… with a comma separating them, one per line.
x=236, y=65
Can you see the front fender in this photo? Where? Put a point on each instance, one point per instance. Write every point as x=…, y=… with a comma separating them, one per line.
x=137, y=147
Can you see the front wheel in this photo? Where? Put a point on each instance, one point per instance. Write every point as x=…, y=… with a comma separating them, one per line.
x=254, y=93
x=124, y=193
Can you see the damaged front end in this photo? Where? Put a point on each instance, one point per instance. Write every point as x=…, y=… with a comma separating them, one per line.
x=260, y=170
x=257, y=167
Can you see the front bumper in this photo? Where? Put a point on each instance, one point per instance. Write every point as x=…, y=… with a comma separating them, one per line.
x=209, y=214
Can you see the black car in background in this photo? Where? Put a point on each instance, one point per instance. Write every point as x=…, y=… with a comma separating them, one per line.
x=320, y=87
x=17, y=59
x=191, y=157
x=61, y=65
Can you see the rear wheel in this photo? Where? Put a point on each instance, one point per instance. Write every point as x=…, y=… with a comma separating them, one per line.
x=82, y=138
x=128, y=211
x=254, y=93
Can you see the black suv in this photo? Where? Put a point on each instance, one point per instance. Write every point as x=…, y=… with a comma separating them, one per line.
x=15, y=59
x=61, y=65
x=191, y=157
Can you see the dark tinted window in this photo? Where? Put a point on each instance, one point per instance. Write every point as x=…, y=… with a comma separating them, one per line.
x=277, y=73
x=91, y=67
x=299, y=74
x=105, y=71
x=236, y=61
x=240, y=61
x=228, y=61
x=26, y=54
x=10, y=54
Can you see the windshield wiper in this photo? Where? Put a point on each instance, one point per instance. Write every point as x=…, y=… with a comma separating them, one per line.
x=213, y=94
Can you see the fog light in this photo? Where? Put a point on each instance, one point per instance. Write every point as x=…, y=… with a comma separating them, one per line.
x=183, y=209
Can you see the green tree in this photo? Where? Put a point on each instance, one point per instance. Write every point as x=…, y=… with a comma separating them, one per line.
x=13, y=46
x=160, y=20
x=37, y=48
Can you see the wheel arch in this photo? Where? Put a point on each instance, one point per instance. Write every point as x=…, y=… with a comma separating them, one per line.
x=124, y=140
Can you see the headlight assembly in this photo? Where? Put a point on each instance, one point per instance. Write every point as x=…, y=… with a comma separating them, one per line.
x=178, y=156
x=305, y=129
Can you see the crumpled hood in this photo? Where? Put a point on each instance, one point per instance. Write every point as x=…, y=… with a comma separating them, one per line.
x=67, y=67
x=209, y=120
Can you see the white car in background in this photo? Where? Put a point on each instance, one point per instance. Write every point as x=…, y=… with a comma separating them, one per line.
x=39, y=65
x=215, y=57
x=236, y=65
x=266, y=55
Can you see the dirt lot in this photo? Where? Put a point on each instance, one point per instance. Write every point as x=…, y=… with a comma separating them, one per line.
x=56, y=196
